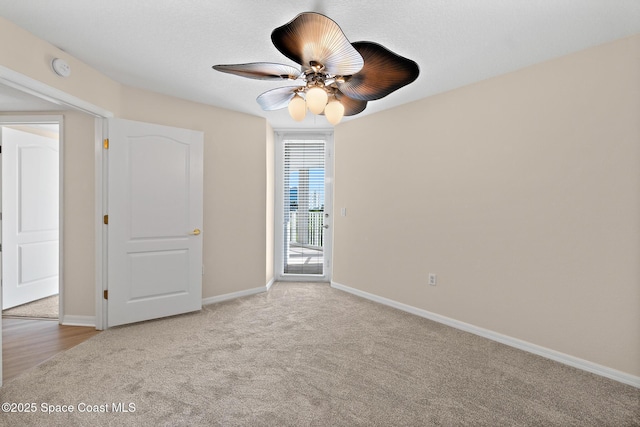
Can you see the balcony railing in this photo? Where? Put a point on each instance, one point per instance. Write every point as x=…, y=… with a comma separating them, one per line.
x=305, y=228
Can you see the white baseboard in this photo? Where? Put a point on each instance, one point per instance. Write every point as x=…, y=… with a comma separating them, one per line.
x=71, y=320
x=557, y=356
x=271, y=282
x=234, y=295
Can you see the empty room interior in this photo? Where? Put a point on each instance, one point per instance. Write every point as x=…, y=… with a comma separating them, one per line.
x=451, y=238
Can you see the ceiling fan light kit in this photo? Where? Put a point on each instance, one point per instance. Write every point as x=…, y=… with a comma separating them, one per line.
x=316, y=99
x=334, y=111
x=337, y=77
x=297, y=108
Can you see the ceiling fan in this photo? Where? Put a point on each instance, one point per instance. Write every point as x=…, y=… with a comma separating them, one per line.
x=337, y=77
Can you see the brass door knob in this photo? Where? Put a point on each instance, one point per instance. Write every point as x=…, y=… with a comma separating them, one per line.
x=195, y=232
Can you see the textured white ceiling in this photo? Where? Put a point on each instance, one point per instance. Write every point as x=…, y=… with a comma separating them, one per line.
x=169, y=46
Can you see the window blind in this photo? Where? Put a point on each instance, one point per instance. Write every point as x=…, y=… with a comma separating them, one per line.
x=304, y=200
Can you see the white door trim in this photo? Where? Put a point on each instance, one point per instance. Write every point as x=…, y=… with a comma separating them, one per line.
x=41, y=90
x=51, y=94
x=100, y=233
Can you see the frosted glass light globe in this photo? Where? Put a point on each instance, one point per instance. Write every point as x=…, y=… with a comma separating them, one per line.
x=297, y=108
x=316, y=99
x=334, y=111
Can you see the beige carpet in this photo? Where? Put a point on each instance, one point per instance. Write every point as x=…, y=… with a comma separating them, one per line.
x=310, y=355
x=45, y=308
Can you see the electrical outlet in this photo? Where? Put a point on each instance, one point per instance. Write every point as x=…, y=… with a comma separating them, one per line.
x=433, y=279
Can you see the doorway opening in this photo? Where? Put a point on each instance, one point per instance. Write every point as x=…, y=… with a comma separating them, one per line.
x=30, y=216
x=303, y=206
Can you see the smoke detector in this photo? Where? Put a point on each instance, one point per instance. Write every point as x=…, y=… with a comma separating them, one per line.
x=61, y=67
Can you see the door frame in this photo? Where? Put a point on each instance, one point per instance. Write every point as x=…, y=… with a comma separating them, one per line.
x=280, y=136
x=51, y=94
x=33, y=119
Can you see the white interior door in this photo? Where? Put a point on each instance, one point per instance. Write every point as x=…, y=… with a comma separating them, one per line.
x=155, y=180
x=30, y=171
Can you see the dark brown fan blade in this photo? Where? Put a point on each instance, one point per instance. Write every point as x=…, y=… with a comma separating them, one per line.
x=276, y=99
x=351, y=106
x=383, y=73
x=261, y=70
x=312, y=37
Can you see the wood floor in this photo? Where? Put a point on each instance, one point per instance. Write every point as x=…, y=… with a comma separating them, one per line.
x=27, y=343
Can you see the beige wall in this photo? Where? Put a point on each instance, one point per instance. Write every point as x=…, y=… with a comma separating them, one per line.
x=30, y=56
x=234, y=231
x=522, y=193
x=235, y=163
x=270, y=215
x=79, y=213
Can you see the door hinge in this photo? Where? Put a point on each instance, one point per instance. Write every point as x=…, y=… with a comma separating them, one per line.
x=105, y=294
x=105, y=143
x=105, y=219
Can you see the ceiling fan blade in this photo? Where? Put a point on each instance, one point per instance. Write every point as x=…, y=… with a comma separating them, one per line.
x=351, y=106
x=383, y=73
x=276, y=99
x=261, y=70
x=312, y=37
